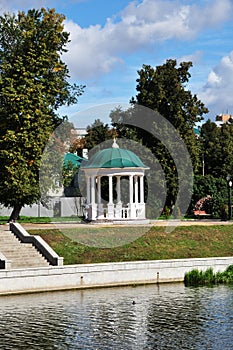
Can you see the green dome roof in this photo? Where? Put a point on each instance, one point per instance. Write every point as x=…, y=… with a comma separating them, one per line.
x=114, y=158
x=72, y=159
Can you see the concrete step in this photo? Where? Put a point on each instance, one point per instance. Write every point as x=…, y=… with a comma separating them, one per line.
x=26, y=264
x=22, y=249
x=15, y=245
x=22, y=252
x=29, y=259
x=12, y=254
x=7, y=238
x=14, y=248
x=22, y=255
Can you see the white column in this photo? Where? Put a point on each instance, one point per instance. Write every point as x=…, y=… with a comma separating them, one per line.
x=118, y=189
x=118, y=210
x=110, y=206
x=88, y=190
x=100, y=211
x=136, y=188
x=99, y=189
x=110, y=189
x=93, y=190
x=142, y=189
x=131, y=189
x=131, y=206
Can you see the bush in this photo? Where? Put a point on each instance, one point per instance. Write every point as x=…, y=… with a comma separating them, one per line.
x=200, y=278
x=216, y=188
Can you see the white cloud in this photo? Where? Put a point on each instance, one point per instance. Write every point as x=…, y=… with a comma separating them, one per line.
x=194, y=57
x=88, y=55
x=96, y=50
x=214, y=13
x=214, y=79
x=217, y=92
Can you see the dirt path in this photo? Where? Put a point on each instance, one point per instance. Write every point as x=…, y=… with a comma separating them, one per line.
x=163, y=223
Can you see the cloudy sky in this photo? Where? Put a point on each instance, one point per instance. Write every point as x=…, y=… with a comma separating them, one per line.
x=112, y=39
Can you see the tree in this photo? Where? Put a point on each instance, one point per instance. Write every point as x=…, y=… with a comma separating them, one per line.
x=217, y=148
x=163, y=90
x=97, y=133
x=33, y=86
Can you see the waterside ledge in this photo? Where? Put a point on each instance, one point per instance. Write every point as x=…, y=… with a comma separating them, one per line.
x=55, y=278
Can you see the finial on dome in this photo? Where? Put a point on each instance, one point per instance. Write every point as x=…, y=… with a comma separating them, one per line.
x=115, y=145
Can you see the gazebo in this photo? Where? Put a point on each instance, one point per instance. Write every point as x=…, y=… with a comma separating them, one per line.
x=109, y=167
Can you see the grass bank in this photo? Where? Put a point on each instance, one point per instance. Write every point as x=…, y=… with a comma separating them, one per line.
x=139, y=243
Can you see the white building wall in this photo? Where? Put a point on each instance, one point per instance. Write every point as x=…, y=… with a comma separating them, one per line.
x=69, y=206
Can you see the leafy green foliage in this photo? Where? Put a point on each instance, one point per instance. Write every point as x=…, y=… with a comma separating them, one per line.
x=98, y=132
x=217, y=148
x=70, y=180
x=163, y=90
x=33, y=85
x=211, y=186
x=200, y=278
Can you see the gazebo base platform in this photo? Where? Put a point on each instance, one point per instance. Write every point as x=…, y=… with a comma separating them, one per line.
x=131, y=222
x=121, y=222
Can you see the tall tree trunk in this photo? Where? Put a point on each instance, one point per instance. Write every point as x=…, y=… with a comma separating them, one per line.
x=15, y=213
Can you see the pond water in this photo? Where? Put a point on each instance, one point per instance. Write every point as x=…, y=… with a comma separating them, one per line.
x=162, y=317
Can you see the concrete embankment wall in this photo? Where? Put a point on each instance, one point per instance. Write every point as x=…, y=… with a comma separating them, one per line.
x=103, y=275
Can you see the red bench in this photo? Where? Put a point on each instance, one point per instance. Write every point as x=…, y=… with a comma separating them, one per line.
x=200, y=213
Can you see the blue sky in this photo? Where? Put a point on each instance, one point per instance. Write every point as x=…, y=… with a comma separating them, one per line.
x=111, y=40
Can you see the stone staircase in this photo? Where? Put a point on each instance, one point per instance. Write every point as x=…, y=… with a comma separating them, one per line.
x=21, y=255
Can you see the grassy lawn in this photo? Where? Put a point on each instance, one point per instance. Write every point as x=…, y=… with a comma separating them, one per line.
x=41, y=220
x=139, y=243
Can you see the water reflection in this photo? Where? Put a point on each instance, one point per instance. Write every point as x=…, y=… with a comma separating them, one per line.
x=147, y=317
